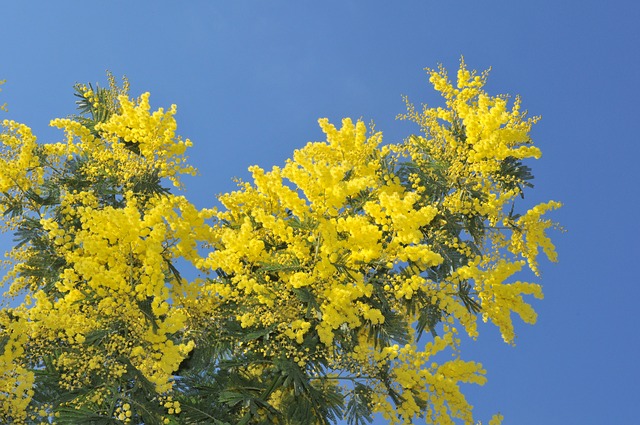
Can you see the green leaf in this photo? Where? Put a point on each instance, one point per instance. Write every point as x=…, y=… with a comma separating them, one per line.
x=464, y=292
x=430, y=316
x=359, y=405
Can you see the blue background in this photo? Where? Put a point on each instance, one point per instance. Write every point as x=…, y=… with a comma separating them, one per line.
x=251, y=78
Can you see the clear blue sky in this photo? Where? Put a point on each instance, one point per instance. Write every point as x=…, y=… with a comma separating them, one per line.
x=251, y=78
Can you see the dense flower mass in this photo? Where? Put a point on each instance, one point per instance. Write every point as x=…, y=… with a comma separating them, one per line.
x=316, y=280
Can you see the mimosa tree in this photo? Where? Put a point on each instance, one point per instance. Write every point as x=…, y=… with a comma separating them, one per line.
x=322, y=289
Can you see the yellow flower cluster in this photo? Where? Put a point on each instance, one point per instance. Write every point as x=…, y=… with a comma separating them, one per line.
x=308, y=243
x=16, y=380
x=153, y=134
x=338, y=256
x=534, y=237
x=115, y=303
x=329, y=242
x=132, y=143
x=20, y=169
